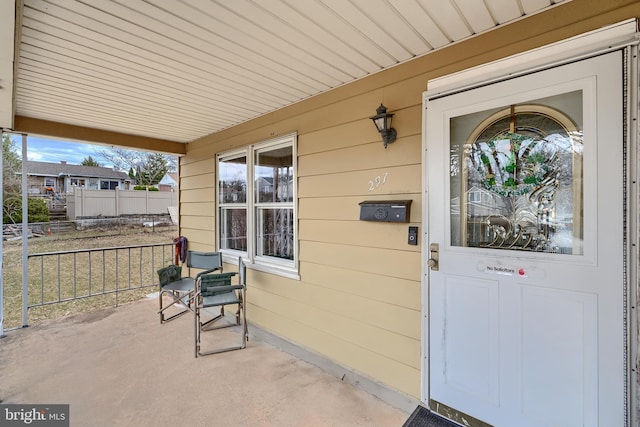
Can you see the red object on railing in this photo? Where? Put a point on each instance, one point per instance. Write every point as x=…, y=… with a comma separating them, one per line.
x=181, y=249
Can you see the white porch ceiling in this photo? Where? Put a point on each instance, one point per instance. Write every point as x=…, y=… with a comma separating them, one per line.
x=181, y=69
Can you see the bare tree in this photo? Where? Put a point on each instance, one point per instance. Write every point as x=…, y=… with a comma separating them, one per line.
x=11, y=181
x=145, y=167
x=11, y=166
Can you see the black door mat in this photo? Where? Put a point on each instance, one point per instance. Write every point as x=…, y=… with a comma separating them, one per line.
x=422, y=417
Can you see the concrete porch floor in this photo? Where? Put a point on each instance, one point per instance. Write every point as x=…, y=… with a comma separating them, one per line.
x=120, y=367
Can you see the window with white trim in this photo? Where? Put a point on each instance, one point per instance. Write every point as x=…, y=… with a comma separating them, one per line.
x=256, y=204
x=109, y=185
x=93, y=184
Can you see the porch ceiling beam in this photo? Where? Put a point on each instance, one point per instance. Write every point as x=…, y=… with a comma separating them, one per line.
x=69, y=132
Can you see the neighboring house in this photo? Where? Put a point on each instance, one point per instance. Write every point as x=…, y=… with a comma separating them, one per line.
x=264, y=185
x=45, y=177
x=480, y=202
x=169, y=182
x=283, y=188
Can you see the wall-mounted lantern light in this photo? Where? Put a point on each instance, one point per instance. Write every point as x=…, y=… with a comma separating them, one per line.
x=382, y=120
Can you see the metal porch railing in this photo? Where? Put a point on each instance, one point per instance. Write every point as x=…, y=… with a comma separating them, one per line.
x=56, y=277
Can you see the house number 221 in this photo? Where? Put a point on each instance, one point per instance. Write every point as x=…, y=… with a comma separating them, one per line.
x=378, y=181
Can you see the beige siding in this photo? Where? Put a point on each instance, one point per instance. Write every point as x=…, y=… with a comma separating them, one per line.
x=391, y=236
x=358, y=300
x=346, y=207
x=199, y=240
x=400, y=180
x=386, y=262
x=199, y=167
x=204, y=208
x=197, y=195
x=372, y=364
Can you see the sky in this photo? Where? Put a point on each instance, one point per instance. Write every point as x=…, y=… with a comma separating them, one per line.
x=55, y=151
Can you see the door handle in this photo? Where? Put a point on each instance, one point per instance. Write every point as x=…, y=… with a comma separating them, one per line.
x=434, y=256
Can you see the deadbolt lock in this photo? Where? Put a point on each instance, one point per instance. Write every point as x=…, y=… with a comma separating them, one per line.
x=434, y=256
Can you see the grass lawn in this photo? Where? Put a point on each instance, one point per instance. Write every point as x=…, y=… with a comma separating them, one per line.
x=52, y=278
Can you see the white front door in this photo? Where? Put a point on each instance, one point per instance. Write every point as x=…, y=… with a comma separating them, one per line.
x=525, y=210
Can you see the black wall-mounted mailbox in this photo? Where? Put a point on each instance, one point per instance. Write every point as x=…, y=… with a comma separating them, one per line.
x=385, y=210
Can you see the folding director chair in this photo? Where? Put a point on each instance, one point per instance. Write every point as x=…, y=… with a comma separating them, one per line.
x=182, y=289
x=216, y=290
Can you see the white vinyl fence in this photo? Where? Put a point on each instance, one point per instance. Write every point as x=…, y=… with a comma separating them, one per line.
x=106, y=203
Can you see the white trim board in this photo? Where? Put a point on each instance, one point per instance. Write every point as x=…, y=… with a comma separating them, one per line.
x=7, y=41
x=601, y=40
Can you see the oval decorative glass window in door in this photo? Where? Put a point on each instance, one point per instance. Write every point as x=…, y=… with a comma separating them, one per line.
x=516, y=177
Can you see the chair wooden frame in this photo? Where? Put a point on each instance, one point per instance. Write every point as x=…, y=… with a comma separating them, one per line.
x=216, y=290
x=182, y=291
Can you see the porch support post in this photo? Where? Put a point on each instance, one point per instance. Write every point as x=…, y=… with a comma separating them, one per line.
x=633, y=323
x=25, y=235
